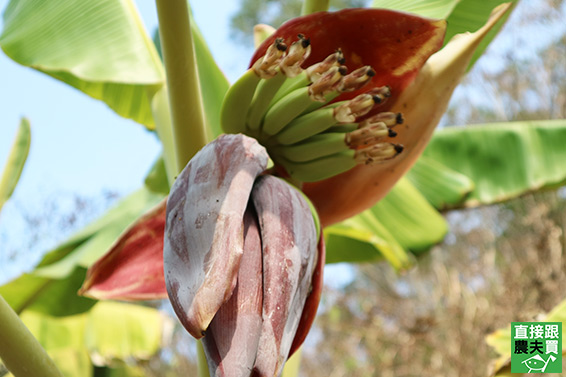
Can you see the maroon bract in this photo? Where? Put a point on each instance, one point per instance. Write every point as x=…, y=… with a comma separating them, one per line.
x=394, y=44
x=240, y=254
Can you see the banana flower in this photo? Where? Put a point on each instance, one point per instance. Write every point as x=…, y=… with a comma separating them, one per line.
x=369, y=76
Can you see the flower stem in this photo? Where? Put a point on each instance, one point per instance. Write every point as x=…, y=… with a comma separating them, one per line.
x=185, y=101
x=20, y=352
x=201, y=361
x=312, y=6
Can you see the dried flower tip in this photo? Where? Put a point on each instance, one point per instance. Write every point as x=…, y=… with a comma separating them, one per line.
x=377, y=153
x=266, y=67
x=315, y=71
x=367, y=136
x=357, y=107
x=380, y=94
x=389, y=118
x=357, y=79
x=327, y=83
x=297, y=54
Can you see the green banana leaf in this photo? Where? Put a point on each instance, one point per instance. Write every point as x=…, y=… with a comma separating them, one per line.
x=462, y=15
x=504, y=160
x=63, y=339
x=118, y=331
x=364, y=239
x=461, y=167
x=110, y=333
x=156, y=179
x=408, y=216
x=16, y=161
x=52, y=287
x=401, y=221
x=99, y=47
x=441, y=186
x=500, y=340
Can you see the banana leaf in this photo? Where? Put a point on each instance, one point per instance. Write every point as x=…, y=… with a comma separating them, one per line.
x=110, y=333
x=441, y=186
x=401, y=221
x=504, y=160
x=99, y=47
x=16, y=161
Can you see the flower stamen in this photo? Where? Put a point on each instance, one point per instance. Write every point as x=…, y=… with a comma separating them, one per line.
x=327, y=83
x=266, y=67
x=315, y=71
x=296, y=55
x=377, y=153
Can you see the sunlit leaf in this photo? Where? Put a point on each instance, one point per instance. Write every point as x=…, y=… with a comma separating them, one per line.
x=441, y=186
x=470, y=15
x=504, y=160
x=121, y=331
x=156, y=179
x=63, y=339
x=99, y=47
x=15, y=163
x=56, y=297
x=364, y=239
x=426, y=8
x=113, y=222
x=109, y=332
x=407, y=215
x=401, y=221
x=212, y=81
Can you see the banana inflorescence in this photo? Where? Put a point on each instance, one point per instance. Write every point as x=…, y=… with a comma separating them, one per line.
x=290, y=110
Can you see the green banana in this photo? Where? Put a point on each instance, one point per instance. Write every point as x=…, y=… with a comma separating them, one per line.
x=306, y=126
x=309, y=75
x=333, y=164
x=289, y=67
x=312, y=148
x=237, y=101
x=262, y=98
x=291, y=106
x=285, y=110
x=291, y=84
x=320, y=168
x=323, y=144
x=342, y=128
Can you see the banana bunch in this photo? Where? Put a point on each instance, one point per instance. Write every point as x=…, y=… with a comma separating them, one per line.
x=290, y=111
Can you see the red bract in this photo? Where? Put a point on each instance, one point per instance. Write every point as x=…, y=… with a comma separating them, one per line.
x=394, y=44
x=422, y=104
x=133, y=267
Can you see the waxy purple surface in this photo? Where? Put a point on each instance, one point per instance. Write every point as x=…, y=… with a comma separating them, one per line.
x=204, y=235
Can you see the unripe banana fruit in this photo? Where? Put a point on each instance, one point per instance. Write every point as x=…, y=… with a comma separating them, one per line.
x=290, y=111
